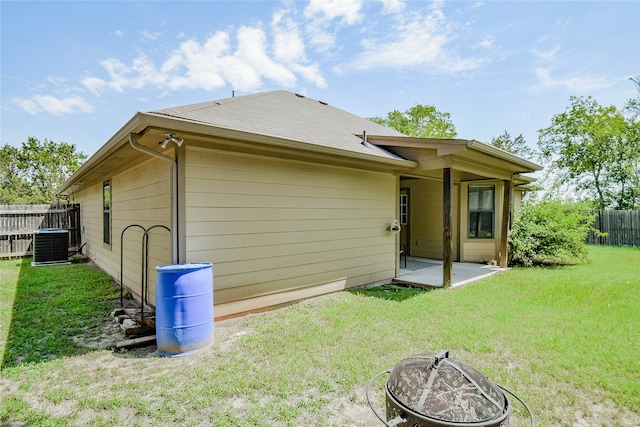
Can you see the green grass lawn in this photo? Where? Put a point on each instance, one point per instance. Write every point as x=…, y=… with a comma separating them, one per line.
x=565, y=339
x=46, y=307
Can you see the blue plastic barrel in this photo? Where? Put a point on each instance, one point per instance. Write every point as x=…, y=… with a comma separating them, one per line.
x=184, y=308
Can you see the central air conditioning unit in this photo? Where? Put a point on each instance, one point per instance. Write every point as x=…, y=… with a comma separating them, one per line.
x=50, y=246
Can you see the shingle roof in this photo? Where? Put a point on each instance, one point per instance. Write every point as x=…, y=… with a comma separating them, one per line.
x=286, y=115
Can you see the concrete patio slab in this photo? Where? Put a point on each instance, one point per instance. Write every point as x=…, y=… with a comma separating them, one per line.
x=463, y=273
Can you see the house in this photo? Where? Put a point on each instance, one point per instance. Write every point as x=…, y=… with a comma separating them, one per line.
x=288, y=197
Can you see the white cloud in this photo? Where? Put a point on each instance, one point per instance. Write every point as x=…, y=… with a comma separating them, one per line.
x=243, y=61
x=424, y=41
x=56, y=80
x=53, y=105
x=145, y=73
x=552, y=61
x=150, y=36
x=197, y=66
x=250, y=55
x=141, y=73
x=288, y=45
x=27, y=105
x=392, y=6
x=325, y=17
x=117, y=71
x=320, y=36
x=347, y=11
x=289, y=48
x=311, y=73
x=94, y=84
x=487, y=42
x=546, y=55
x=252, y=52
x=575, y=83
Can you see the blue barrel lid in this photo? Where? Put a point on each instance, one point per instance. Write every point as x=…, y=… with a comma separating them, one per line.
x=52, y=230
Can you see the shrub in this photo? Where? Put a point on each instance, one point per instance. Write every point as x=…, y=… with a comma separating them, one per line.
x=550, y=232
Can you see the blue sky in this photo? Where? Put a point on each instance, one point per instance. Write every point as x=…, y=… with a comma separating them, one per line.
x=77, y=71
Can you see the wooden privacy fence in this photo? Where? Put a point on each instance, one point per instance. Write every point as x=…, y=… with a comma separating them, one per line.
x=19, y=222
x=622, y=228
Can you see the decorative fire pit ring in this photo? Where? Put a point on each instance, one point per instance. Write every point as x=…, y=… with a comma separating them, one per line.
x=435, y=390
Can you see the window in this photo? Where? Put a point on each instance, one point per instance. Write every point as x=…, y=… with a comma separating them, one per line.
x=404, y=212
x=106, y=212
x=481, y=211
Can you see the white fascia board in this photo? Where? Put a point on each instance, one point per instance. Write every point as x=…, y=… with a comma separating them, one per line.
x=501, y=154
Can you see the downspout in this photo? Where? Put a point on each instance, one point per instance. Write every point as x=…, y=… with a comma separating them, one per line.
x=133, y=141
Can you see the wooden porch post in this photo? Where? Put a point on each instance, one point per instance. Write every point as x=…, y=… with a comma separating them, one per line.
x=447, y=222
x=504, y=235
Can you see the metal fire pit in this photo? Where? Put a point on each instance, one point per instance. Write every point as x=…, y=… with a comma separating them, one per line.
x=434, y=390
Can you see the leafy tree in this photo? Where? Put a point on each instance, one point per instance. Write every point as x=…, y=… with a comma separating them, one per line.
x=550, y=232
x=31, y=174
x=517, y=145
x=423, y=121
x=596, y=150
x=10, y=182
x=633, y=104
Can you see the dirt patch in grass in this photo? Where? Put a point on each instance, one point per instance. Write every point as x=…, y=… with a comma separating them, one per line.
x=104, y=336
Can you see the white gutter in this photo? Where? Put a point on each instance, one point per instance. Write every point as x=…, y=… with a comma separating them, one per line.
x=133, y=141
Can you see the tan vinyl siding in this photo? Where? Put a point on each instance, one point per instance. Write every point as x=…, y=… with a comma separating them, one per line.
x=426, y=218
x=91, y=212
x=139, y=195
x=479, y=251
x=275, y=226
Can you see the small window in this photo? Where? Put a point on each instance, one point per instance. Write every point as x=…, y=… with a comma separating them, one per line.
x=481, y=211
x=106, y=212
x=404, y=209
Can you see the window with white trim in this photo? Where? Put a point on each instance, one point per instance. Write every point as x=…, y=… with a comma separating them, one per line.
x=481, y=211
